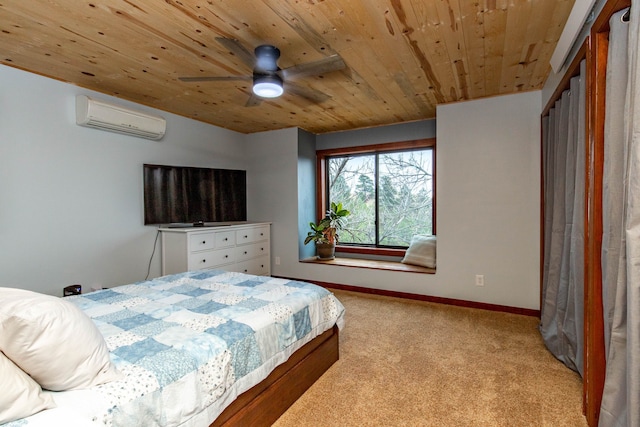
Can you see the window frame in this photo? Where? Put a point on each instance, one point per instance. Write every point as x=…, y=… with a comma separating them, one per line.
x=321, y=178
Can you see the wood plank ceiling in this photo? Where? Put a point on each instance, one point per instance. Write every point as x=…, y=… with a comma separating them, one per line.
x=403, y=57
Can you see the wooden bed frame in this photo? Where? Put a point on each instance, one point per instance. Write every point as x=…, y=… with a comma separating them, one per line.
x=263, y=404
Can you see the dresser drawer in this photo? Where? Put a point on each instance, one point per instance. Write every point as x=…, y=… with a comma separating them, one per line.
x=202, y=242
x=260, y=234
x=209, y=259
x=251, y=251
x=244, y=236
x=250, y=235
x=225, y=238
x=258, y=266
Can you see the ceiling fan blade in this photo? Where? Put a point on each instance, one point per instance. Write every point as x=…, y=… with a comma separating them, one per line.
x=315, y=68
x=213, y=79
x=237, y=49
x=253, y=101
x=307, y=93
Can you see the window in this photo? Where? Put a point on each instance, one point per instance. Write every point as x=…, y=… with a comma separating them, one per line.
x=389, y=189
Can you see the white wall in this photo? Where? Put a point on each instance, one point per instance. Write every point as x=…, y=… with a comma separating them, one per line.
x=487, y=205
x=273, y=160
x=306, y=191
x=71, y=197
x=409, y=131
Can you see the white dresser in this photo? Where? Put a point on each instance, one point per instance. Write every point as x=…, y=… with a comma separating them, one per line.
x=239, y=247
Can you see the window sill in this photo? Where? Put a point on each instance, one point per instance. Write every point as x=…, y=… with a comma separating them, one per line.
x=365, y=251
x=372, y=264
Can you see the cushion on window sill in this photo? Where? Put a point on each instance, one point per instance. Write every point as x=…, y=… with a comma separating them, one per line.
x=422, y=251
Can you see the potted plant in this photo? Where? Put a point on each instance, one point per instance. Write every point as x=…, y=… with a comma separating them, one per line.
x=325, y=232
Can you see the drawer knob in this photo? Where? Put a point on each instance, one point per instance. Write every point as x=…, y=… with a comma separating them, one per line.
x=245, y=270
x=204, y=260
x=225, y=239
x=204, y=241
x=245, y=252
x=226, y=256
x=246, y=237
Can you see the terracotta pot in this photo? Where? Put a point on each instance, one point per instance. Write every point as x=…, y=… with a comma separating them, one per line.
x=325, y=251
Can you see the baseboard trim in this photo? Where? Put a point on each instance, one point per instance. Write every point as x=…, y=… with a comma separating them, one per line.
x=428, y=298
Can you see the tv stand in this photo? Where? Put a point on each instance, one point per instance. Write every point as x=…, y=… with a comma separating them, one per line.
x=241, y=247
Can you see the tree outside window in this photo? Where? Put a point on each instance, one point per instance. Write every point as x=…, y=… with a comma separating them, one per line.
x=390, y=192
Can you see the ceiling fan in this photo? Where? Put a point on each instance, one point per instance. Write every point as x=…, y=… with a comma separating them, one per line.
x=269, y=80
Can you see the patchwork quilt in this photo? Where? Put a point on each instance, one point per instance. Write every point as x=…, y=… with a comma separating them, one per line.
x=189, y=344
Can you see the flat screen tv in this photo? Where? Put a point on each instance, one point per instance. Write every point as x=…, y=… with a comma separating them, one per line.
x=185, y=196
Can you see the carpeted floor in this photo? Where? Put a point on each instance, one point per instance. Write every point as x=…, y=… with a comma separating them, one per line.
x=409, y=363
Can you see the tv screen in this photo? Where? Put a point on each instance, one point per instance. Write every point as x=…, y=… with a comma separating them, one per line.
x=184, y=196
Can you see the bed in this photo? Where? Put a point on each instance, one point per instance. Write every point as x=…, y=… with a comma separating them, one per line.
x=202, y=348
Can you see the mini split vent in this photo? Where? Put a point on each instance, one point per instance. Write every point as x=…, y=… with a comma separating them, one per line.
x=103, y=115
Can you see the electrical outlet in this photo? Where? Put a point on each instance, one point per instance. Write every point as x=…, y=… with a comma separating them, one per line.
x=479, y=280
x=277, y=260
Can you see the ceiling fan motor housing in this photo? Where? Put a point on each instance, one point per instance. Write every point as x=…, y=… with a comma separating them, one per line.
x=266, y=58
x=266, y=81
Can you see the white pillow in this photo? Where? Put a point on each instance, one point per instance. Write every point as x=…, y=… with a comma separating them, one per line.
x=422, y=251
x=53, y=341
x=21, y=396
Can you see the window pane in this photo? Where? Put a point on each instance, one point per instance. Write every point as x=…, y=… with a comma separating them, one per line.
x=406, y=191
x=402, y=182
x=352, y=182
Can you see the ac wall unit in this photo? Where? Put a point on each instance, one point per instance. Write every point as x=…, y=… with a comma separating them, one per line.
x=115, y=118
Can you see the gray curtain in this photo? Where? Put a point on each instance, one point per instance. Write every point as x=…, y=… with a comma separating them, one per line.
x=562, y=311
x=621, y=225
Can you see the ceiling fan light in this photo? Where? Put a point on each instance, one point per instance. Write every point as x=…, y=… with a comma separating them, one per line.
x=268, y=86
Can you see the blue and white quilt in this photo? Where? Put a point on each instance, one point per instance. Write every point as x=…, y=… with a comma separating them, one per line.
x=189, y=344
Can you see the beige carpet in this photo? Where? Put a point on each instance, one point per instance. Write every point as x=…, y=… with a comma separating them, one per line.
x=406, y=363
